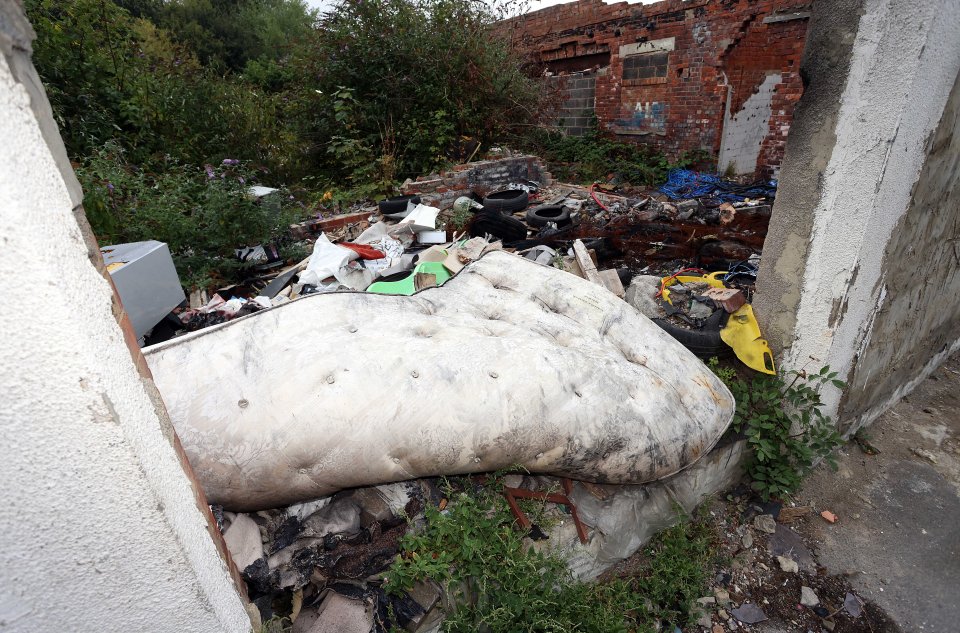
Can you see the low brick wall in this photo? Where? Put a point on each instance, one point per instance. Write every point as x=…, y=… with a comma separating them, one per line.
x=482, y=177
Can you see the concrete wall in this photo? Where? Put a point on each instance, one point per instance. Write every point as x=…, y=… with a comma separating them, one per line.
x=719, y=53
x=859, y=268
x=102, y=528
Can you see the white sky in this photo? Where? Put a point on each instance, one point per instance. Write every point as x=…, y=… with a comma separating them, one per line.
x=534, y=4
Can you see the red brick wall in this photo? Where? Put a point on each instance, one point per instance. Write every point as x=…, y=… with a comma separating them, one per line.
x=742, y=40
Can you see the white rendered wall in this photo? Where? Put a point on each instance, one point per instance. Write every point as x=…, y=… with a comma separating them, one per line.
x=100, y=529
x=743, y=132
x=906, y=57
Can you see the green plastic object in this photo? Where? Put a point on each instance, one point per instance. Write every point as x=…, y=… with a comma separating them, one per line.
x=407, y=286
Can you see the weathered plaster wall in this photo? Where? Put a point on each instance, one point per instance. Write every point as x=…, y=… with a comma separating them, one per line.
x=918, y=315
x=101, y=527
x=832, y=286
x=715, y=49
x=743, y=132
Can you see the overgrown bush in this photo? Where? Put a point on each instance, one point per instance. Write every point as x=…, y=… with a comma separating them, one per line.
x=396, y=84
x=473, y=549
x=202, y=213
x=782, y=417
x=112, y=76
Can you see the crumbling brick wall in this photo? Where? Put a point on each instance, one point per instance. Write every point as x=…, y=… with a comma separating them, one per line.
x=671, y=66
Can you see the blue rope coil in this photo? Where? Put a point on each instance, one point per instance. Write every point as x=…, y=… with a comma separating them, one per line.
x=683, y=184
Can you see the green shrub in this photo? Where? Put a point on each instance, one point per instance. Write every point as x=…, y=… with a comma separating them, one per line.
x=202, y=213
x=785, y=426
x=417, y=76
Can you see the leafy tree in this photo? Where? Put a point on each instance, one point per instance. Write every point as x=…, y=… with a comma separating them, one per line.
x=407, y=79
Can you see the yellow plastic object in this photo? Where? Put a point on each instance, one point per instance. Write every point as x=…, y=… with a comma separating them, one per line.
x=742, y=333
x=711, y=279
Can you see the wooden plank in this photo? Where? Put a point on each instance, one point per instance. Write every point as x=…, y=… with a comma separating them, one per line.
x=589, y=269
x=611, y=281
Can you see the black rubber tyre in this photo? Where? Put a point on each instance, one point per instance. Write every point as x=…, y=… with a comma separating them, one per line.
x=543, y=215
x=504, y=227
x=396, y=205
x=705, y=342
x=507, y=201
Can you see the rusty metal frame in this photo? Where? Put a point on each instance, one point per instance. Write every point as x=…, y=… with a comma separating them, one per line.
x=512, y=494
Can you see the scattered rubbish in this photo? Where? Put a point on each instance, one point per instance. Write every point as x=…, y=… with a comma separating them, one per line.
x=432, y=237
x=243, y=540
x=789, y=515
x=549, y=213
x=146, y=281
x=259, y=191
x=641, y=294
x=852, y=605
x=543, y=255
x=729, y=299
x=788, y=564
x=722, y=596
x=398, y=207
x=587, y=268
x=701, y=306
x=828, y=516
x=786, y=542
x=502, y=227
x=425, y=275
x=742, y=333
x=749, y=613
x=421, y=218
x=808, y=598
x=765, y=523
x=284, y=450
x=326, y=261
x=507, y=201
x=340, y=614
x=466, y=204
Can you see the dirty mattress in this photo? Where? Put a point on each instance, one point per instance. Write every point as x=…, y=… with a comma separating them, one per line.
x=510, y=363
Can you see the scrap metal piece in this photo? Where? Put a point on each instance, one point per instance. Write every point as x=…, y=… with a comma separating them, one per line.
x=512, y=494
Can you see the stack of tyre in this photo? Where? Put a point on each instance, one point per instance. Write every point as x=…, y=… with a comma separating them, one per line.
x=496, y=217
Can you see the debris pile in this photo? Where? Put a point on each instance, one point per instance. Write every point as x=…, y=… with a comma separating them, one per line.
x=402, y=245
x=766, y=573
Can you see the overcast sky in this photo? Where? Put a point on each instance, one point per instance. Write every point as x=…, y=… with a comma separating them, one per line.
x=534, y=4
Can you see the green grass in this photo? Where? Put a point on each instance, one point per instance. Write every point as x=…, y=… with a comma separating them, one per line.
x=477, y=554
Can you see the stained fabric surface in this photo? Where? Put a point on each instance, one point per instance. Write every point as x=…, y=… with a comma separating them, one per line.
x=509, y=363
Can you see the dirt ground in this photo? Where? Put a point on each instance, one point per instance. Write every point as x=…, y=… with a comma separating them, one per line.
x=891, y=560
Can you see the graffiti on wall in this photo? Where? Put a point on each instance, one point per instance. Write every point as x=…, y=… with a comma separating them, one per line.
x=644, y=116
